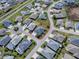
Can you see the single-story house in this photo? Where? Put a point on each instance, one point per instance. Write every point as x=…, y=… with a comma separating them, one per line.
x=19, y=19
x=24, y=45
x=60, y=16
x=60, y=23
x=32, y=26
x=34, y=16
x=74, y=41
x=73, y=49
x=53, y=45
x=23, y=13
x=7, y=23
x=48, y=53
x=8, y=57
x=39, y=31
x=3, y=31
x=59, y=5
x=15, y=41
x=77, y=26
x=27, y=22
x=47, y=2
x=69, y=25
x=68, y=56
x=42, y=16
x=29, y=6
x=59, y=37
x=5, y=40
x=19, y=1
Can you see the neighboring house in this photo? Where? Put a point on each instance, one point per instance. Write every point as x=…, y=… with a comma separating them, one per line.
x=27, y=22
x=8, y=57
x=77, y=26
x=32, y=26
x=15, y=41
x=60, y=16
x=69, y=2
x=39, y=31
x=48, y=53
x=25, y=12
x=42, y=16
x=59, y=37
x=29, y=6
x=7, y=23
x=5, y=40
x=47, y=2
x=60, y=23
x=68, y=56
x=74, y=41
x=34, y=16
x=59, y=5
x=53, y=45
x=3, y=31
x=69, y=25
x=74, y=50
x=20, y=1
x=19, y=19
x=24, y=45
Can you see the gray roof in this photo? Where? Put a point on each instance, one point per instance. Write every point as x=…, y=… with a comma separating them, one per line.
x=23, y=46
x=15, y=41
x=69, y=24
x=19, y=19
x=74, y=41
x=3, y=31
x=53, y=45
x=27, y=22
x=34, y=16
x=47, y=2
x=59, y=37
x=32, y=26
x=48, y=53
x=29, y=6
x=60, y=23
x=60, y=16
x=20, y=1
x=25, y=12
x=8, y=57
x=5, y=40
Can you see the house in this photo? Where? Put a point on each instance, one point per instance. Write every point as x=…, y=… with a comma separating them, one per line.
x=19, y=1
x=47, y=2
x=53, y=45
x=69, y=2
x=39, y=31
x=68, y=56
x=8, y=57
x=15, y=41
x=69, y=25
x=23, y=13
x=77, y=26
x=60, y=16
x=60, y=23
x=24, y=45
x=59, y=5
x=38, y=1
x=29, y=6
x=59, y=37
x=19, y=19
x=27, y=22
x=5, y=40
x=7, y=23
x=73, y=49
x=32, y=26
x=2, y=31
x=34, y=16
x=48, y=53
x=74, y=41
x=42, y=16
